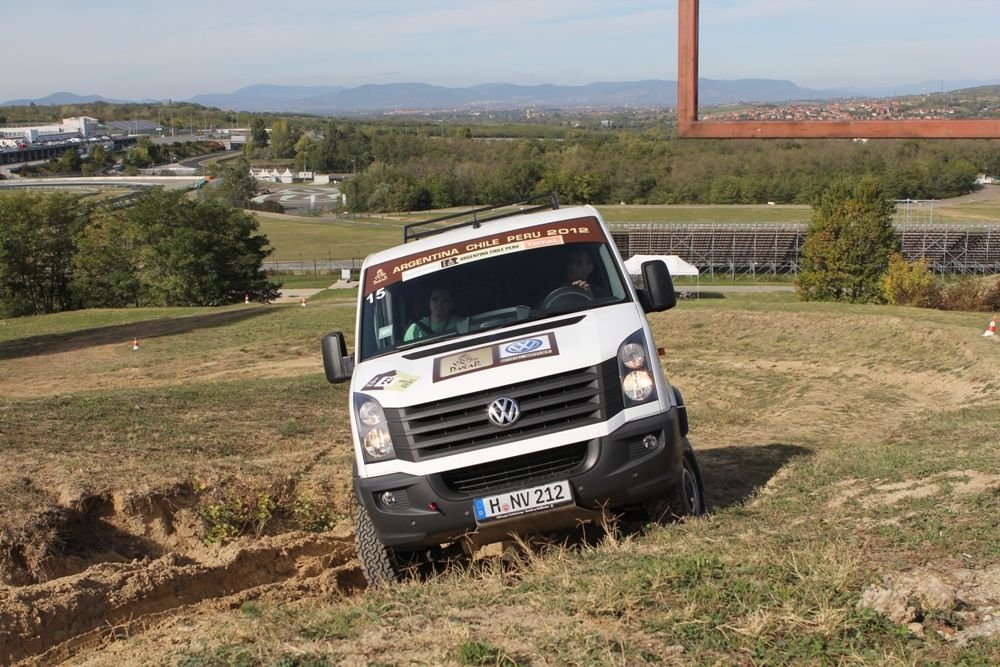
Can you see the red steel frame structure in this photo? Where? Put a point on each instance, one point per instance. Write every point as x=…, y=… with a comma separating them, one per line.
x=688, y=125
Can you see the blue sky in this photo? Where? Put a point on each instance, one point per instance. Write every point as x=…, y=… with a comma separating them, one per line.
x=134, y=49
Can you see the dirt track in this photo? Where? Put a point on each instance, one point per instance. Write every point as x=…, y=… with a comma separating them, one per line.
x=92, y=568
x=135, y=567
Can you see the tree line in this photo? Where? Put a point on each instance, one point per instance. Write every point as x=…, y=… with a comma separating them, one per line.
x=599, y=157
x=416, y=168
x=166, y=249
x=414, y=172
x=398, y=169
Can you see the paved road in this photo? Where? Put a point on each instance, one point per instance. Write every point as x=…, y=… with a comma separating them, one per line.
x=168, y=182
x=985, y=193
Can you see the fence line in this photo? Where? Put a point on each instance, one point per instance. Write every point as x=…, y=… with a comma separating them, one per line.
x=312, y=266
x=759, y=249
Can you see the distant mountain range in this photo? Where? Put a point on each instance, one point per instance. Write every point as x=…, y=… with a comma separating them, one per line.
x=424, y=97
x=62, y=98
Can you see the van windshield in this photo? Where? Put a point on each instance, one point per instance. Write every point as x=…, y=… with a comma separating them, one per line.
x=487, y=283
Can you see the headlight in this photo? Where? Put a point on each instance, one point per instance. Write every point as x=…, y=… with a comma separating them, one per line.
x=373, y=429
x=638, y=382
x=638, y=386
x=633, y=355
x=370, y=414
x=378, y=444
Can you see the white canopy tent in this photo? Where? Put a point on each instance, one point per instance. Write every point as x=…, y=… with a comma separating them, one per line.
x=676, y=266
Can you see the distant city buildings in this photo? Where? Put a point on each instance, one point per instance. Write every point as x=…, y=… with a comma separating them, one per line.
x=70, y=131
x=20, y=137
x=845, y=110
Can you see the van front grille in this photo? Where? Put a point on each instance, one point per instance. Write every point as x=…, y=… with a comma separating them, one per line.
x=547, y=405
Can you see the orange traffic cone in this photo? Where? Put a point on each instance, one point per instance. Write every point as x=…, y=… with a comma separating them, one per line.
x=246, y=298
x=303, y=302
x=991, y=330
x=135, y=343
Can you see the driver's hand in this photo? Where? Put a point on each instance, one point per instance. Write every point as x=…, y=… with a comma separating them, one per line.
x=582, y=284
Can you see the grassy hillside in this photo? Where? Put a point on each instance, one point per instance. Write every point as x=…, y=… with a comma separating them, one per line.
x=849, y=453
x=295, y=239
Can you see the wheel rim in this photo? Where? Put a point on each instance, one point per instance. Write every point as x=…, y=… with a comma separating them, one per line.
x=692, y=494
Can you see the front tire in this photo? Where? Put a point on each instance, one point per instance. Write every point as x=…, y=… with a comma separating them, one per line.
x=379, y=562
x=686, y=498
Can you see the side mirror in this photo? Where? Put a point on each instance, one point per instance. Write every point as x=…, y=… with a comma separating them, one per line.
x=659, y=288
x=337, y=364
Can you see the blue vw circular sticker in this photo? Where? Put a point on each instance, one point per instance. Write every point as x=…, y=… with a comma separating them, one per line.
x=522, y=346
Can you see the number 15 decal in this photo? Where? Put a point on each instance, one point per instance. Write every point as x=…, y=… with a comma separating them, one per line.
x=377, y=295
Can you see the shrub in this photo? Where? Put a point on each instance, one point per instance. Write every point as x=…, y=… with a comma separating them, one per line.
x=963, y=294
x=993, y=296
x=236, y=515
x=909, y=283
x=848, y=244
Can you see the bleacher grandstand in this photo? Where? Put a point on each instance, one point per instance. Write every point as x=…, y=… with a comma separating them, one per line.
x=761, y=249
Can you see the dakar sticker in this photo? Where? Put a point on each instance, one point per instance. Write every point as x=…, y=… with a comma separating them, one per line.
x=391, y=381
x=469, y=361
x=527, y=348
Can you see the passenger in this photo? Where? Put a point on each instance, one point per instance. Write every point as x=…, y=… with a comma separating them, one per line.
x=440, y=320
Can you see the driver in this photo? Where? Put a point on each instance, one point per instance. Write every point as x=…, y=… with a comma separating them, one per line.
x=579, y=266
x=439, y=321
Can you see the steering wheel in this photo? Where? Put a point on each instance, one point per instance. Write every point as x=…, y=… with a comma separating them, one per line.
x=568, y=296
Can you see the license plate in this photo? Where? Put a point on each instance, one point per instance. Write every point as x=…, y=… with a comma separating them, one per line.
x=513, y=503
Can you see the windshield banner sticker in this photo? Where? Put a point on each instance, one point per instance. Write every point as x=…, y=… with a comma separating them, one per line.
x=490, y=356
x=391, y=381
x=580, y=230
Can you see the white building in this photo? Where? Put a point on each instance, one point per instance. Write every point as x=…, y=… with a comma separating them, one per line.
x=82, y=127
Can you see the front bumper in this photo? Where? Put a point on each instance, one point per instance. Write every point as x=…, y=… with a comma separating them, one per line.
x=616, y=470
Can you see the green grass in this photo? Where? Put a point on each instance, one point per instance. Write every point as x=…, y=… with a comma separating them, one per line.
x=317, y=280
x=348, y=295
x=298, y=239
x=841, y=446
x=978, y=212
x=18, y=329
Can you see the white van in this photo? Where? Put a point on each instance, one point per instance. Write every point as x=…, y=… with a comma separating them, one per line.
x=506, y=381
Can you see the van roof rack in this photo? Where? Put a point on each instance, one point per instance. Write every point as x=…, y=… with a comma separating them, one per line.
x=411, y=233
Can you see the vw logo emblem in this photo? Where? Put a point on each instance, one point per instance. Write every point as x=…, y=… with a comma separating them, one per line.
x=504, y=411
x=520, y=346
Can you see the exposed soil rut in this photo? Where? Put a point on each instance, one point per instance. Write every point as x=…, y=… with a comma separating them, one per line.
x=139, y=565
